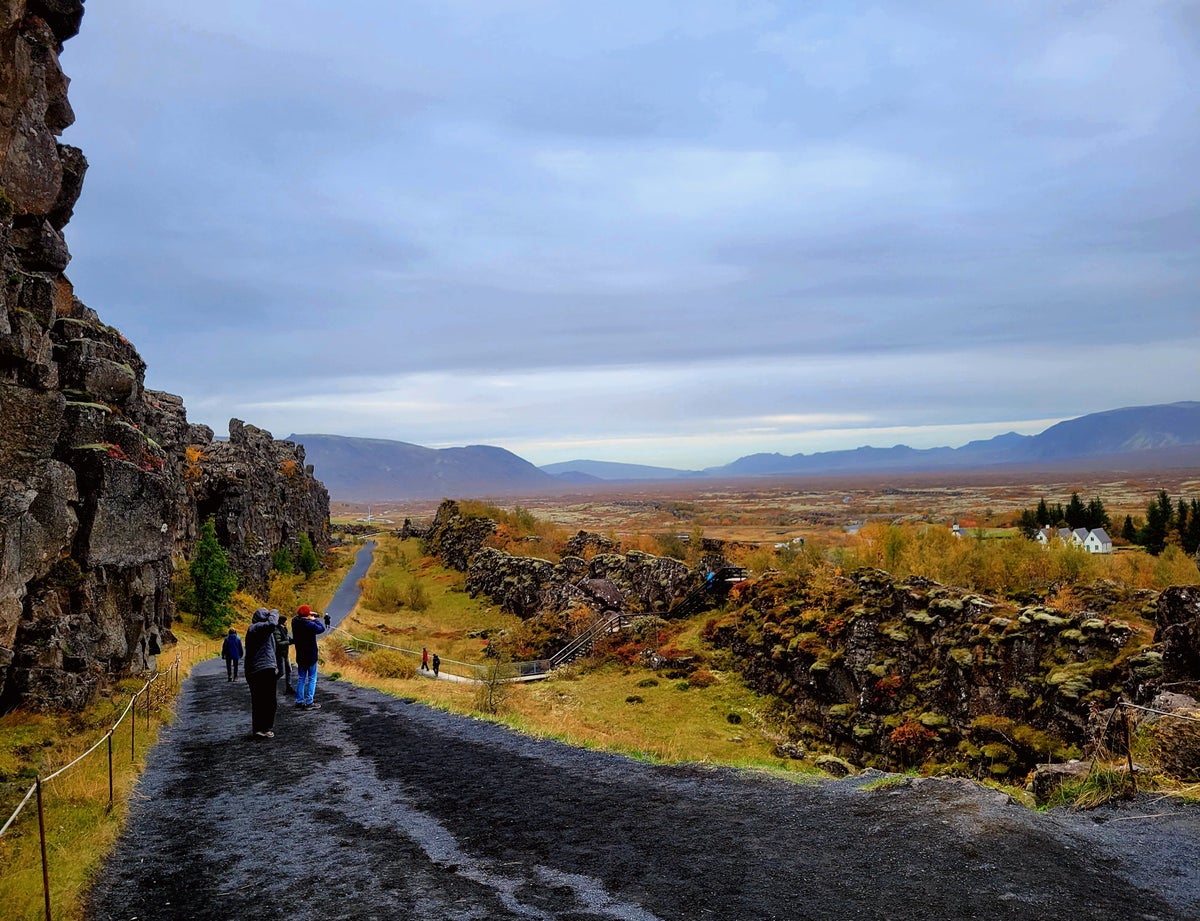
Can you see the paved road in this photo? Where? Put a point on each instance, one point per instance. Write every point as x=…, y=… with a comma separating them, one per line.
x=378, y=808
x=346, y=596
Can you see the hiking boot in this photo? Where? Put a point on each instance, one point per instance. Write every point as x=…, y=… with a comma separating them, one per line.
x=312, y=706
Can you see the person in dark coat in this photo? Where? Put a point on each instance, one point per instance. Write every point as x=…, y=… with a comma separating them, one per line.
x=260, y=673
x=231, y=652
x=283, y=642
x=306, y=627
x=437, y=664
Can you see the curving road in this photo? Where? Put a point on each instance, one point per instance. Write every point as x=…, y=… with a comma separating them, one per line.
x=379, y=808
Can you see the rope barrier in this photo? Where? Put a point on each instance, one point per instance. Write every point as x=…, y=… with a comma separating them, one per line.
x=1178, y=716
x=145, y=689
x=13, y=817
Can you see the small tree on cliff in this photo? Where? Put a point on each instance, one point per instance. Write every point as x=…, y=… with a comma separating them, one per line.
x=308, y=556
x=213, y=582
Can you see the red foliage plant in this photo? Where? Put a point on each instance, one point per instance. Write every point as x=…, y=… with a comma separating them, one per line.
x=911, y=736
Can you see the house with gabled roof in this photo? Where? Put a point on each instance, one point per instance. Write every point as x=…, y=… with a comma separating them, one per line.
x=1097, y=541
x=1094, y=541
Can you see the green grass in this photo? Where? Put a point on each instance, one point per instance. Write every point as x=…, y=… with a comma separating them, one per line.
x=585, y=705
x=442, y=625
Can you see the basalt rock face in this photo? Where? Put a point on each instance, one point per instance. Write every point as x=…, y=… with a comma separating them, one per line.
x=102, y=481
x=634, y=583
x=1178, y=633
x=261, y=496
x=902, y=673
x=455, y=538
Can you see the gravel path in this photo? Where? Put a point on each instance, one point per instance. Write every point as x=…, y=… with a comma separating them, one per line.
x=379, y=808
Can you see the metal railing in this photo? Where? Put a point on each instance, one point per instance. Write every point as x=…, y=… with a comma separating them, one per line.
x=468, y=671
x=583, y=642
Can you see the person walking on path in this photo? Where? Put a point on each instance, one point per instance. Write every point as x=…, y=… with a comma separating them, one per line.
x=437, y=664
x=283, y=642
x=306, y=627
x=260, y=673
x=424, y=659
x=231, y=652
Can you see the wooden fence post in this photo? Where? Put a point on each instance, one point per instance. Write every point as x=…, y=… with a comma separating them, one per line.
x=1129, y=750
x=133, y=730
x=110, y=772
x=42, y=836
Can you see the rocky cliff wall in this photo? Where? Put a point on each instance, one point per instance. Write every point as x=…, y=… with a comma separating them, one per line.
x=903, y=673
x=102, y=481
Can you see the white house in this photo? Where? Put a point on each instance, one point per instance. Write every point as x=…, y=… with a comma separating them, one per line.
x=1094, y=541
x=1097, y=541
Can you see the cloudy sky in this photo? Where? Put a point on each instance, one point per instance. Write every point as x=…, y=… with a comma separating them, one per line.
x=658, y=232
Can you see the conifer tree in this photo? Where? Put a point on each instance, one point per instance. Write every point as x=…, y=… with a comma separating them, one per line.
x=307, y=561
x=213, y=582
x=1128, y=531
x=1075, y=512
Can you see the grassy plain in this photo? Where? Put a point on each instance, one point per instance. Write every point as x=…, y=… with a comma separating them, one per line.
x=776, y=509
x=613, y=706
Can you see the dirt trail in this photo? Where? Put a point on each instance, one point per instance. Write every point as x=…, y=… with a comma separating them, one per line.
x=378, y=808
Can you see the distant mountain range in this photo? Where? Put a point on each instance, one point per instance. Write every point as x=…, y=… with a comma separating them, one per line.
x=369, y=469
x=362, y=469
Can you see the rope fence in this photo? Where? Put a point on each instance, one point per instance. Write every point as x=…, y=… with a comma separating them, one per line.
x=146, y=693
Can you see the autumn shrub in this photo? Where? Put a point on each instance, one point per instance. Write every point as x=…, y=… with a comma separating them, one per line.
x=702, y=678
x=388, y=663
x=382, y=595
x=910, y=740
x=415, y=595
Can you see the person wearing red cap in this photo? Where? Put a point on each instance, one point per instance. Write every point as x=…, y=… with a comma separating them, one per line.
x=306, y=627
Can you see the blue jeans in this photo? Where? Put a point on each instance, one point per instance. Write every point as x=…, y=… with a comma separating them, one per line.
x=306, y=683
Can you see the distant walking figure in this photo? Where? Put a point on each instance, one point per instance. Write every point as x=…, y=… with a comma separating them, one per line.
x=231, y=652
x=437, y=664
x=283, y=642
x=424, y=659
x=260, y=673
x=306, y=627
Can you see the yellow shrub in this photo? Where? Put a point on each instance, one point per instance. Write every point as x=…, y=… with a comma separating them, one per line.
x=388, y=663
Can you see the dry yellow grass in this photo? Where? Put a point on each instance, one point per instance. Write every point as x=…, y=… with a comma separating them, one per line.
x=80, y=827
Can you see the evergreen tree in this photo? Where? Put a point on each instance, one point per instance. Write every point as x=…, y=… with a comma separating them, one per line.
x=213, y=582
x=1128, y=531
x=1075, y=512
x=307, y=560
x=1191, y=534
x=1058, y=517
x=1042, y=514
x=281, y=561
x=1027, y=522
x=1158, y=523
x=1096, y=516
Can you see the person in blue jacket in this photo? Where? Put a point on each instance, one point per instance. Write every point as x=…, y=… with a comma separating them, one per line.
x=231, y=652
x=306, y=627
x=260, y=672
